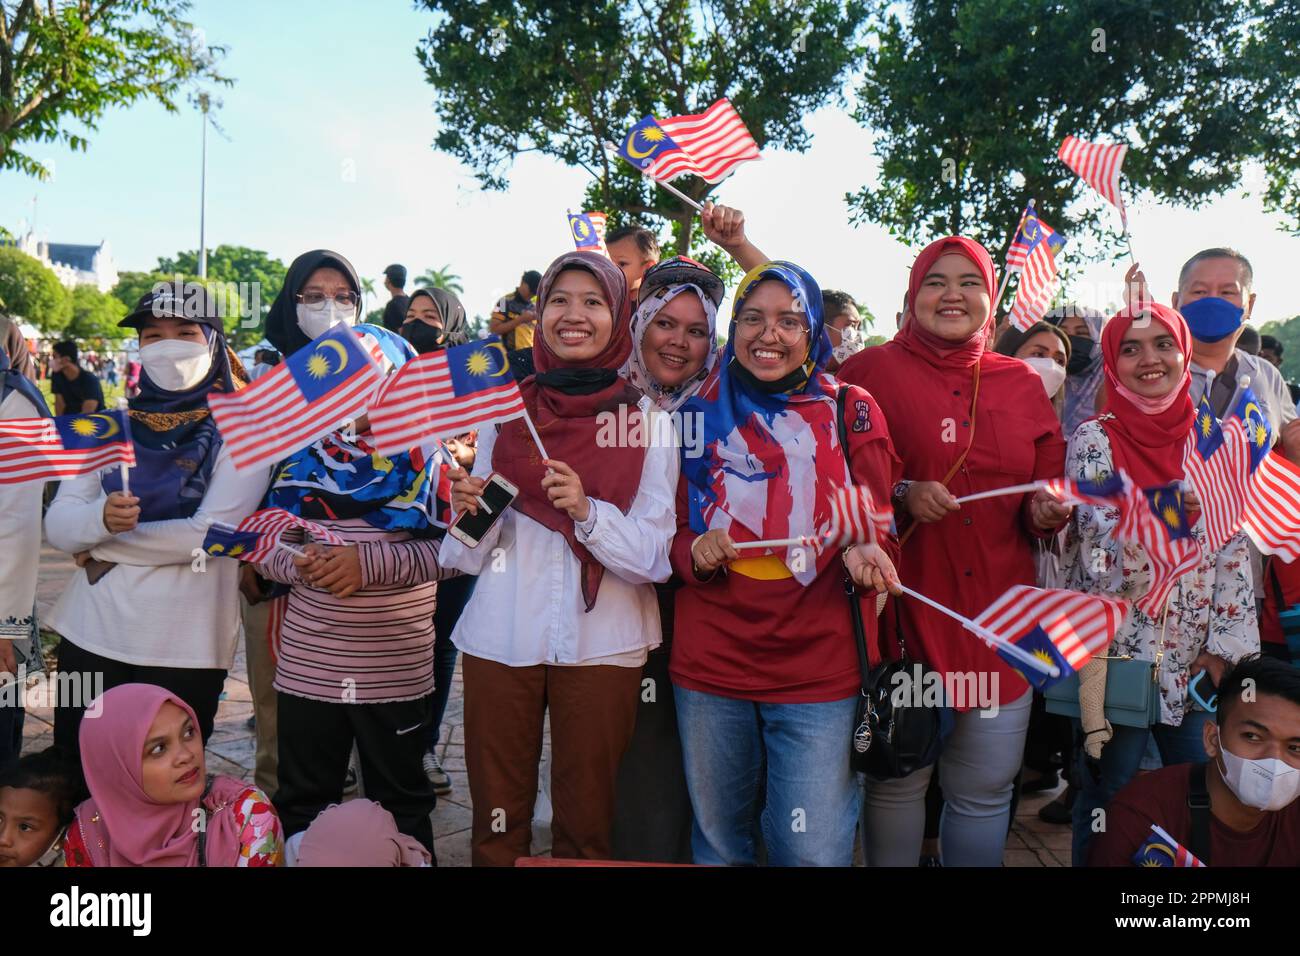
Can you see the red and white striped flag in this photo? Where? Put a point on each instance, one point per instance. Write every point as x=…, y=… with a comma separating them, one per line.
x=258, y=535
x=854, y=518
x=1099, y=166
x=48, y=449
x=1272, y=517
x=1217, y=463
x=1038, y=280
x=444, y=394
x=1078, y=626
x=709, y=144
x=1156, y=519
x=312, y=392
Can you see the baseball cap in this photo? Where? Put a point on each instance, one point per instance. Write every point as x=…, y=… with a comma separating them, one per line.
x=189, y=301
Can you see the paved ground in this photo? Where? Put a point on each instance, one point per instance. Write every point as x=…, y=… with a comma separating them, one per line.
x=231, y=749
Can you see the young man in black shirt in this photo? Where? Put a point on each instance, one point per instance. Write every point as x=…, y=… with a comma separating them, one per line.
x=76, y=390
x=395, y=311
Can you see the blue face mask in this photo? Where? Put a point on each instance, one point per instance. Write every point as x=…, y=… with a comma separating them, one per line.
x=1212, y=319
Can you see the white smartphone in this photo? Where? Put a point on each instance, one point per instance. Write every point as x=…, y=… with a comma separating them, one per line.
x=468, y=528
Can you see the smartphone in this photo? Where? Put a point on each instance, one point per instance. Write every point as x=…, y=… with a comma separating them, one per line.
x=1207, y=699
x=468, y=528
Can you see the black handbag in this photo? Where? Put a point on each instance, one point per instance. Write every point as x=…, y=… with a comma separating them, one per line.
x=895, y=733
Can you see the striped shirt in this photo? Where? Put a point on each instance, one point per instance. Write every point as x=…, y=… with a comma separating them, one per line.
x=374, y=646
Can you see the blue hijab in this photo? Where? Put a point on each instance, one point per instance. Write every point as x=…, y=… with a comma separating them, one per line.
x=343, y=476
x=176, y=442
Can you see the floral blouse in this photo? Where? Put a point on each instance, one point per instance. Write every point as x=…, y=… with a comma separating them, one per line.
x=1211, y=608
x=261, y=838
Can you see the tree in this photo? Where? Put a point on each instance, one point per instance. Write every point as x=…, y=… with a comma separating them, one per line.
x=246, y=281
x=442, y=278
x=1288, y=333
x=516, y=76
x=29, y=290
x=95, y=314
x=131, y=286
x=970, y=99
x=367, y=289
x=69, y=63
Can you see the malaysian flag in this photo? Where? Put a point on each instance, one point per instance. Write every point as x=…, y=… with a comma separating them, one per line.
x=1038, y=279
x=1064, y=628
x=309, y=394
x=47, y=449
x=1259, y=435
x=1108, y=491
x=1156, y=519
x=1026, y=237
x=1099, y=166
x=709, y=144
x=1272, y=517
x=1217, y=465
x=588, y=229
x=444, y=394
x=854, y=518
x=1160, y=849
x=259, y=534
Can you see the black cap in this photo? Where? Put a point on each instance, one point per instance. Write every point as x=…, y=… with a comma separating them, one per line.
x=681, y=270
x=396, y=274
x=189, y=301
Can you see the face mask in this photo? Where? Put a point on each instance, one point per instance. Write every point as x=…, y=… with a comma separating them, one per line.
x=1212, y=319
x=851, y=341
x=175, y=365
x=423, y=336
x=316, y=322
x=1081, y=348
x=1269, y=784
x=1053, y=375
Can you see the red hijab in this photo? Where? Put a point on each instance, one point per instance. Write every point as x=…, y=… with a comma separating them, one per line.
x=1148, y=437
x=920, y=341
x=564, y=400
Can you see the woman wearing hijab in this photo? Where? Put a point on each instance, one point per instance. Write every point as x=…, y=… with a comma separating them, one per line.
x=963, y=420
x=1084, y=369
x=674, y=347
x=151, y=802
x=435, y=319
x=20, y=530
x=567, y=615
x=356, y=640
x=1209, y=621
x=136, y=610
x=764, y=664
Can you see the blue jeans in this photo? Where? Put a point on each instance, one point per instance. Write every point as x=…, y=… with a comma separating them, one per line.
x=1121, y=759
x=731, y=748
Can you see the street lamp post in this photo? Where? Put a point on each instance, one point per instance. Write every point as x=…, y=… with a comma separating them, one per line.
x=204, y=101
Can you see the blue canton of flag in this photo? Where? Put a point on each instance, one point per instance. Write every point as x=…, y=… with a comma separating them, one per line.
x=1258, y=432
x=584, y=231
x=328, y=362
x=84, y=432
x=1167, y=505
x=1209, y=436
x=1037, y=642
x=476, y=367
x=1160, y=849
x=224, y=541
x=645, y=143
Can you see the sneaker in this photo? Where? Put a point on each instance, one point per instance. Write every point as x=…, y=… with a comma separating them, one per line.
x=1059, y=810
x=440, y=779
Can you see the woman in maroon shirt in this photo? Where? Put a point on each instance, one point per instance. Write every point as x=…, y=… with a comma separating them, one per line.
x=764, y=665
x=963, y=419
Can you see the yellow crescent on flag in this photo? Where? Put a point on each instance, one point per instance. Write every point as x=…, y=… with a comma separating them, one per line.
x=505, y=362
x=631, y=139
x=338, y=348
x=111, y=426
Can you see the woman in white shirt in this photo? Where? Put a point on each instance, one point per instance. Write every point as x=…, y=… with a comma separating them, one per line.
x=564, y=612
x=147, y=605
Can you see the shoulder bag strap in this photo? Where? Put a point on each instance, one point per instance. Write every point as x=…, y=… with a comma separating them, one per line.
x=961, y=459
x=850, y=590
x=1198, y=801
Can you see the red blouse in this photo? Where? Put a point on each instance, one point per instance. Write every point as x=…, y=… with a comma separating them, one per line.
x=971, y=557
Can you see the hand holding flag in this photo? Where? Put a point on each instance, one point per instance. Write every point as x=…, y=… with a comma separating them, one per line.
x=254, y=538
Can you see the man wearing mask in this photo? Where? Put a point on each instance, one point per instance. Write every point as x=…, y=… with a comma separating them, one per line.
x=395, y=310
x=1214, y=296
x=1240, y=808
x=843, y=326
x=76, y=389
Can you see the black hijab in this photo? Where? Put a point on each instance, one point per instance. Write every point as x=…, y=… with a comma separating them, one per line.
x=282, y=320
x=455, y=327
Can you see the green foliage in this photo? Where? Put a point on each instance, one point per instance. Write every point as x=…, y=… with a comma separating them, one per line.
x=515, y=76
x=1288, y=333
x=442, y=278
x=249, y=273
x=62, y=66
x=29, y=290
x=95, y=314
x=991, y=87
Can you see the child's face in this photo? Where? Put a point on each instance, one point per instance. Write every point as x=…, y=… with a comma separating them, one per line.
x=29, y=823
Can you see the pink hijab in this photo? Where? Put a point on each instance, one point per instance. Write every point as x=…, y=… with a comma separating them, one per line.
x=358, y=833
x=120, y=823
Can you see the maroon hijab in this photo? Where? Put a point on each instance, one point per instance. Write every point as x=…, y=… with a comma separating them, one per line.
x=564, y=400
x=920, y=341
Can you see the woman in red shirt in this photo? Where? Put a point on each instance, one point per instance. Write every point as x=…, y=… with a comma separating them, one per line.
x=963, y=419
x=764, y=665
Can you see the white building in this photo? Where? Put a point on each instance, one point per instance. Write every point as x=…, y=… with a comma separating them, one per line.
x=74, y=264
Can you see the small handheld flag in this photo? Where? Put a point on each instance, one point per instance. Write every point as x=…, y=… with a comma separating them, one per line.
x=48, y=449
x=444, y=394
x=1064, y=628
x=1217, y=465
x=1099, y=166
x=1272, y=516
x=259, y=534
x=1157, y=519
x=1259, y=434
x=588, y=229
x=1160, y=849
x=854, y=518
x=309, y=394
x=709, y=144
x=1038, y=275
x=1106, y=491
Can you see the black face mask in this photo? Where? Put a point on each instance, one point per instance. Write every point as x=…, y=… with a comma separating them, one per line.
x=1081, y=348
x=423, y=336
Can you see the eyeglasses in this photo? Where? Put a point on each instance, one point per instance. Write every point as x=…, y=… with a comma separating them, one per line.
x=789, y=330
x=316, y=300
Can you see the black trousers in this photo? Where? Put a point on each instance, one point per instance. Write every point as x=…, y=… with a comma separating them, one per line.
x=315, y=743
x=197, y=686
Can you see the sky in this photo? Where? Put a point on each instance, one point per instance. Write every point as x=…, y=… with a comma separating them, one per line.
x=330, y=127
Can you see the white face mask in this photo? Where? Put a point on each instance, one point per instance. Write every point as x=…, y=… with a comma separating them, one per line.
x=1053, y=375
x=1268, y=784
x=175, y=365
x=316, y=322
x=851, y=342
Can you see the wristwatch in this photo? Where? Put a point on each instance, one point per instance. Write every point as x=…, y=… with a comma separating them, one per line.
x=900, y=491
